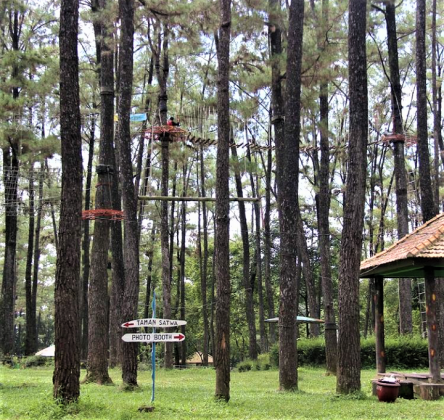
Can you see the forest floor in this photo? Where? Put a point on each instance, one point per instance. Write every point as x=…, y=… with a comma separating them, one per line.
x=188, y=394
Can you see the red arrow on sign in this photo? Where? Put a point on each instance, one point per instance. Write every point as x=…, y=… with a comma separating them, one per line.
x=180, y=337
x=128, y=324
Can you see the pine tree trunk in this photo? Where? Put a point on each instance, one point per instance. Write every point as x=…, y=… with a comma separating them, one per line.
x=67, y=281
x=98, y=332
x=287, y=154
x=183, y=346
x=267, y=249
x=30, y=325
x=10, y=177
x=149, y=279
x=118, y=269
x=204, y=271
x=222, y=235
x=436, y=105
x=86, y=255
x=258, y=259
x=324, y=240
x=118, y=281
x=37, y=250
x=405, y=285
x=349, y=361
x=52, y=210
x=162, y=70
x=249, y=304
x=165, y=246
x=277, y=120
x=86, y=223
x=313, y=307
x=427, y=203
x=213, y=301
x=129, y=195
x=437, y=134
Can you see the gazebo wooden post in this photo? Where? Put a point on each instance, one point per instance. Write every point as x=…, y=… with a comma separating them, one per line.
x=432, y=324
x=379, y=324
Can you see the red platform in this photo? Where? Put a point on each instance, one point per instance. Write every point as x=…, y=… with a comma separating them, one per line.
x=114, y=215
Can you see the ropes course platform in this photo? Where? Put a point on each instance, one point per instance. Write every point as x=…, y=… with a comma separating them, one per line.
x=159, y=131
x=108, y=214
x=408, y=139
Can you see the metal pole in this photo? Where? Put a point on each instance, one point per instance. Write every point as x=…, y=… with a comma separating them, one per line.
x=153, y=351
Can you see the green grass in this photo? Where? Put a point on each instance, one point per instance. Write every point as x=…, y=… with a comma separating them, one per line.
x=188, y=394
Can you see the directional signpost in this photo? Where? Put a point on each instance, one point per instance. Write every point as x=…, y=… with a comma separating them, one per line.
x=154, y=323
x=153, y=337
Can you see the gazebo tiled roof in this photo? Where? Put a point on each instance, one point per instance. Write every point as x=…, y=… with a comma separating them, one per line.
x=408, y=257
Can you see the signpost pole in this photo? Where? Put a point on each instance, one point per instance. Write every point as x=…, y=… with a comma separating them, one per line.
x=153, y=351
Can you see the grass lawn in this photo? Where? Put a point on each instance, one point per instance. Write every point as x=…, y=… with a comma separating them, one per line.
x=188, y=394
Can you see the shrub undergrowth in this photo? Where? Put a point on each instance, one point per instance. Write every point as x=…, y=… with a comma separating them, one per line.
x=405, y=352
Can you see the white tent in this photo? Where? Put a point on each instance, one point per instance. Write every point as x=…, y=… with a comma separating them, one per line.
x=48, y=352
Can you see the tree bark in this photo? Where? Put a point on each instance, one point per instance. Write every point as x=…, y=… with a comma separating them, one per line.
x=204, y=272
x=427, y=202
x=381, y=357
x=404, y=285
x=161, y=64
x=349, y=361
x=67, y=281
x=30, y=339
x=313, y=307
x=258, y=259
x=98, y=331
x=129, y=195
x=183, y=346
x=213, y=300
x=35, y=274
x=287, y=154
x=118, y=269
x=436, y=105
x=323, y=207
x=432, y=304
x=267, y=249
x=249, y=304
x=222, y=235
x=118, y=276
x=277, y=120
x=331, y=344
x=11, y=155
x=86, y=254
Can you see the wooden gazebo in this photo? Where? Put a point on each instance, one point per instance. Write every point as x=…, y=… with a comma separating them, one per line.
x=419, y=254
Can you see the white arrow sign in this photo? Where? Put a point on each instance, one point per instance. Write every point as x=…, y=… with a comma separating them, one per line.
x=153, y=338
x=154, y=323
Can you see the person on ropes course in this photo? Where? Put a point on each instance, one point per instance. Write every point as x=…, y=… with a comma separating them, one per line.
x=172, y=123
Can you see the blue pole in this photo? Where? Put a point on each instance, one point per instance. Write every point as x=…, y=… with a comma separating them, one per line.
x=153, y=351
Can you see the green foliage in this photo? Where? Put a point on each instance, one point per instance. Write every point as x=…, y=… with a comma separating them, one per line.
x=245, y=366
x=274, y=355
x=34, y=361
x=402, y=352
x=262, y=363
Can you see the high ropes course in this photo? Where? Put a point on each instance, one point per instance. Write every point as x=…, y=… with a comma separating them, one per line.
x=206, y=124
x=178, y=134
